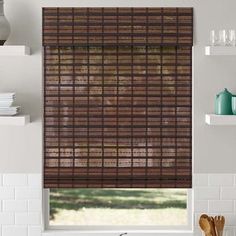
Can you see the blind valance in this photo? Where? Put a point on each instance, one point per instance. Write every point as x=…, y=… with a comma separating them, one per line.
x=117, y=26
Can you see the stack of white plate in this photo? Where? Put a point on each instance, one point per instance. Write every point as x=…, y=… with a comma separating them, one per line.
x=6, y=108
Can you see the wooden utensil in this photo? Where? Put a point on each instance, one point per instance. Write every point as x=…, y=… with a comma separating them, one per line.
x=205, y=225
x=212, y=224
x=219, y=224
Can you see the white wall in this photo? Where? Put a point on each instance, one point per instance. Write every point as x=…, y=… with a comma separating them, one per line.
x=21, y=147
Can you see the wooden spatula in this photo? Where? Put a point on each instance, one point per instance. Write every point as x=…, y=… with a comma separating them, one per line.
x=205, y=225
x=219, y=224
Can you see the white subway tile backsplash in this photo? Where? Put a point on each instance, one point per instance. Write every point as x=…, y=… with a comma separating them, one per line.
x=207, y=193
x=201, y=206
x=14, y=231
x=230, y=219
x=218, y=198
x=234, y=179
x=27, y=219
x=27, y=193
x=0, y=179
x=7, y=218
x=7, y=193
x=34, y=180
x=34, y=231
x=235, y=207
x=228, y=193
x=200, y=180
x=229, y=230
x=221, y=180
x=35, y=205
x=20, y=204
x=15, y=180
x=15, y=205
x=221, y=206
x=197, y=231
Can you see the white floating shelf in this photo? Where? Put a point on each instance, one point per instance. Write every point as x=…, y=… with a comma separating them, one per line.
x=212, y=119
x=19, y=120
x=14, y=50
x=220, y=51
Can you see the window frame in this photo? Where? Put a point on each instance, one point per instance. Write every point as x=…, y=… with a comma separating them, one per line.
x=117, y=229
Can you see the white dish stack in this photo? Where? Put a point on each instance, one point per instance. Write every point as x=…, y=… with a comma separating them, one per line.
x=6, y=108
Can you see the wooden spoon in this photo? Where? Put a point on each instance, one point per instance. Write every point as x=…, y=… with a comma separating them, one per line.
x=205, y=225
x=212, y=224
x=219, y=224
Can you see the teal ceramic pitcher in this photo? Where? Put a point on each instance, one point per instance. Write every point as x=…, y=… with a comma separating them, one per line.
x=223, y=103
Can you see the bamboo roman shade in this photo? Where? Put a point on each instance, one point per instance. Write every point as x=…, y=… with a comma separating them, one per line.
x=117, y=97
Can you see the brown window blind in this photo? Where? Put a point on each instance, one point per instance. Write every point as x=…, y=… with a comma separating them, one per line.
x=117, y=97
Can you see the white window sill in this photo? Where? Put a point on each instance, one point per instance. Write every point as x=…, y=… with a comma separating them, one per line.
x=115, y=233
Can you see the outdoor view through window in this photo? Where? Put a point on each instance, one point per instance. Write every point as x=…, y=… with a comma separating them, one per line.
x=118, y=207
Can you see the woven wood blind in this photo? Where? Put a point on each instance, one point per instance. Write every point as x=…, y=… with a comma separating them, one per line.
x=117, y=97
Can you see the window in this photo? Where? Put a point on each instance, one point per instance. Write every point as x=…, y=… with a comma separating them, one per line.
x=119, y=207
x=117, y=108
